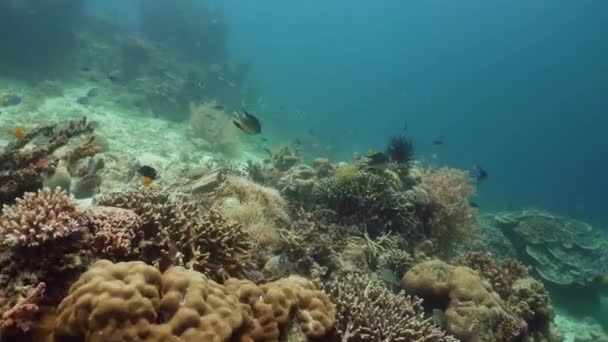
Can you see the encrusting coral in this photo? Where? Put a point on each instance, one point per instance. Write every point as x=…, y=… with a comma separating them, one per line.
x=21, y=166
x=367, y=311
x=186, y=305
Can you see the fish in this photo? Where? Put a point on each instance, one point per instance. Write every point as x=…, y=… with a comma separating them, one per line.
x=473, y=204
x=146, y=181
x=264, y=139
x=85, y=68
x=437, y=142
x=147, y=171
x=297, y=142
x=311, y=132
x=377, y=160
x=114, y=76
x=92, y=92
x=480, y=173
x=10, y=100
x=268, y=151
x=218, y=107
x=248, y=123
x=83, y=100
x=19, y=133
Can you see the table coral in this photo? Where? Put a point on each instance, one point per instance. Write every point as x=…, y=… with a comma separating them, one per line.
x=186, y=305
x=562, y=251
x=367, y=311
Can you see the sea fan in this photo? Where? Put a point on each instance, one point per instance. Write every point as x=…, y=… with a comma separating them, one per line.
x=400, y=149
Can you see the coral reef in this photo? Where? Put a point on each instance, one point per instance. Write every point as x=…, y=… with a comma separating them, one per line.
x=367, y=311
x=475, y=312
x=561, y=251
x=185, y=305
x=38, y=218
x=181, y=232
x=449, y=191
x=21, y=164
x=114, y=231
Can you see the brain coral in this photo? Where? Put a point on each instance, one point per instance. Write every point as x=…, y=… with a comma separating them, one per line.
x=38, y=217
x=132, y=301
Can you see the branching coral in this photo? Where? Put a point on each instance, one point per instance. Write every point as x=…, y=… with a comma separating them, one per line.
x=22, y=314
x=21, y=165
x=114, y=230
x=367, y=311
x=182, y=232
x=185, y=305
x=449, y=191
x=39, y=217
x=215, y=128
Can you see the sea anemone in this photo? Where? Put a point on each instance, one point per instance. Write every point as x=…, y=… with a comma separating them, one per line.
x=400, y=149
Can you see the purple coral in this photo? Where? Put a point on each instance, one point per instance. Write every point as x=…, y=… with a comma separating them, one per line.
x=38, y=217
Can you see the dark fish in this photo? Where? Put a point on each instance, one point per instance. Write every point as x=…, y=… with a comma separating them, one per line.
x=473, y=204
x=264, y=139
x=92, y=92
x=218, y=107
x=147, y=171
x=311, y=132
x=83, y=100
x=85, y=68
x=248, y=123
x=297, y=142
x=437, y=142
x=10, y=100
x=480, y=173
x=377, y=160
x=115, y=76
x=268, y=151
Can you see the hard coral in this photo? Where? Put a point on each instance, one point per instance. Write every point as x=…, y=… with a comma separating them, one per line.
x=39, y=217
x=500, y=275
x=182, y=232
x=449, y=191
x=114, y=231
x=561, y=250
x=21, y=167
x=185, y=305
x=367, y=311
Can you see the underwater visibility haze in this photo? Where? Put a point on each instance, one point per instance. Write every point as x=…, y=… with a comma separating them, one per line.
x=205, y=170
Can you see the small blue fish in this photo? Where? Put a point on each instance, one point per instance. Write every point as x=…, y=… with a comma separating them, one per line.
x=10, y=100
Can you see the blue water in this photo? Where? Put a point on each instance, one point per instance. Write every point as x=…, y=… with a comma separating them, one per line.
x=517, y=87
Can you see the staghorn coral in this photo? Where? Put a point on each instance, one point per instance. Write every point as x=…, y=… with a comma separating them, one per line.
x=23, y=312
x=560, y=250
x=114, y=230
x=39, y=217
x=185, y=305
x=215, y=128
x=21, y=164
x=367, y=311
x=182, y=232
x=452, y=216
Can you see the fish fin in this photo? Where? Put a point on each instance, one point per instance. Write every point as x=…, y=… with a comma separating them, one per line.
x=241, y=127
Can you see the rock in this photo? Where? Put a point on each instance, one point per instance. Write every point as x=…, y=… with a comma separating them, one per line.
x=207, y=183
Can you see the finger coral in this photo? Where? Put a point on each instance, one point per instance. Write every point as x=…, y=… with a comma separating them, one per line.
x=367, y=311
x=39, y=217
x=185, y=305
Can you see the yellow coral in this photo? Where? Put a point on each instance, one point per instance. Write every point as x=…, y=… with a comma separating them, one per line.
x=346, y=173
